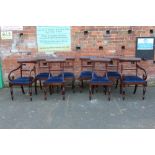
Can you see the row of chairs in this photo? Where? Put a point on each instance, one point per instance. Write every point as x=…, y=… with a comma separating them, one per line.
x=53, y=72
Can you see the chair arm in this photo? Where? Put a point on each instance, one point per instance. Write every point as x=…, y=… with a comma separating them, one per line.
x=145, y=74
x=12, y=78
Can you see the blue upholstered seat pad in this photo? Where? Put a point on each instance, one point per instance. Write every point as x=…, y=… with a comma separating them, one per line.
x=99, y=79
x=22, y=80
x=42, y=75
x=133, y=79
x=68, y=75
x=86, y=74
x=113, y=74
x=55, y=79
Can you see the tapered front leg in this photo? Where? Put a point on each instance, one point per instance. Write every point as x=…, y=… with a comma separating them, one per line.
x=109, y=93
x=22, y=88
x=123, y=92
x=30, y=92
x=90, y=92
x=116, y=83
x=11, y=92
x=144, y=91
x=36, y=92
x=40, y=84
x=45, y=92
x=135, y=89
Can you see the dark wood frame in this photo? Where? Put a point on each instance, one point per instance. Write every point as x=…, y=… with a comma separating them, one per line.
x=70, y=64
x=116, y=67
x=22, y=63
x=85, y=59
x=40, y=61
x=137, y=67
x=50, y=62
x=105, y=62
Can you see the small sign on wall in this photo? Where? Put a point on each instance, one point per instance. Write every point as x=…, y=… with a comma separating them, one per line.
x=145, y=43
x=6, y=35
x=53, y=38
x=145, y=47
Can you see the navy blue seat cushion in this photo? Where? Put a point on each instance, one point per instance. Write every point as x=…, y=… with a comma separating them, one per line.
x=133, y=79
x=43, y=75
x=86, y=74
x=69, y=75
x=55, y=79
x=22, y=80
x=99, y=79
x=113, y=74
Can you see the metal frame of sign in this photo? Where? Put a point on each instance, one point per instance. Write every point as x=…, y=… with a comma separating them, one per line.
x=145, y=54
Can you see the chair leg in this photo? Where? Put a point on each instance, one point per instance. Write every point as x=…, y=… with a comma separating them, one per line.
x=120, y=88
x=22, y=88
x=63, y=92
x=30, y=92
x=144, y=91
x=105, y=89
x=116, y=83
x=11, y=92
x=123, y=92
x=109, y=93
x=50, y=90
x=40, y=84
x=45, y=93
x=36, y=92
x=90, y=92
x=135, y=89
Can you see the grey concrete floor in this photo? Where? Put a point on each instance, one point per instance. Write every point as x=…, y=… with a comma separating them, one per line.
x=77, y=111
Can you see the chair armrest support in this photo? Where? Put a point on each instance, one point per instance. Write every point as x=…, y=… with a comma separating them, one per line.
x=145, y=74
x=12, y=77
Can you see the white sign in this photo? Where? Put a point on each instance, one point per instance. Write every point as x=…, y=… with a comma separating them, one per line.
x=6, y=35
x=11, y=28
x=145, y=44
x=53, y=38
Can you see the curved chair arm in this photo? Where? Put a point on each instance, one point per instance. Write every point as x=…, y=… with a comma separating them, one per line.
x=145, y=74
x=9, y=76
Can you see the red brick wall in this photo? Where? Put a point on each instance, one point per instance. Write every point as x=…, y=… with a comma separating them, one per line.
x=93, y=40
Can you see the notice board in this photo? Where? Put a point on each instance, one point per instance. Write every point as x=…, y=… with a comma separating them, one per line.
x=53, y=38
x=145, y=47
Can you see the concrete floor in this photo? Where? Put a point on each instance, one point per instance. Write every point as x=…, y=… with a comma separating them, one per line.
x=77, y=111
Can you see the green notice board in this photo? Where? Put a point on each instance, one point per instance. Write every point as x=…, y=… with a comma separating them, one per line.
x=1, y=77
x=53, y=38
